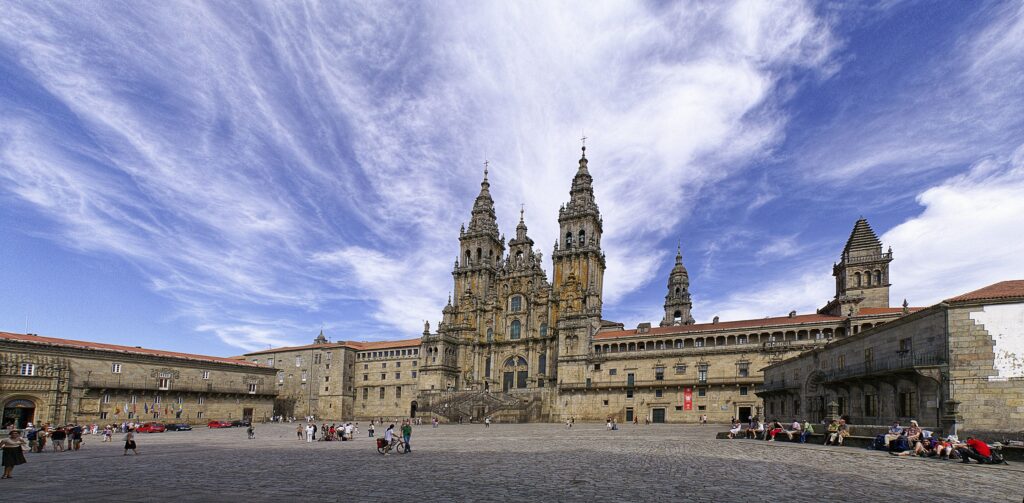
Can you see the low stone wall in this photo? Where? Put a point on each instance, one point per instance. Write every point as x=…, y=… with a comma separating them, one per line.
x=1011, y=453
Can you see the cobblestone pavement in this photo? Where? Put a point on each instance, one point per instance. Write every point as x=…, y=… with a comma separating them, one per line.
x=537, y=463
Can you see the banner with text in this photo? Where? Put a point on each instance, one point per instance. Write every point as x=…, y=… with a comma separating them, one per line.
x=687, y=398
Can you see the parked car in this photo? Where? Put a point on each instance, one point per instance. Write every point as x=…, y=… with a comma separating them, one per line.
x=151, y=428
x=241, y=422
x=179, y=427
x=219, y=424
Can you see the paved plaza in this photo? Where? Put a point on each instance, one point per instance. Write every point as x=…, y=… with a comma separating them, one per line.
x=536, y=462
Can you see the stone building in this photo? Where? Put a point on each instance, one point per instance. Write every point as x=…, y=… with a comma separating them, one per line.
x=957, y=365
x=44, y=379
x=513, y=345
x=343, y=380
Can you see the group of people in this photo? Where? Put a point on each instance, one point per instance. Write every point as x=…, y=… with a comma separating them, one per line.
x=330, y=432
x=611, y=425
x=62, y=438
x=68, y=437
x=899, y=441
x=757, y=429
x=915, y=441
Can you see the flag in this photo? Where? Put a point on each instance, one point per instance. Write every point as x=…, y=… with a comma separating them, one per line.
x=145, y=408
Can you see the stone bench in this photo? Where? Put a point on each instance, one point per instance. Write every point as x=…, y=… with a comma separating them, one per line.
x=1011, y=453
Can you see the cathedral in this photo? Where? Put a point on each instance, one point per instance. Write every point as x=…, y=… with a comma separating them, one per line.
x=515, y=345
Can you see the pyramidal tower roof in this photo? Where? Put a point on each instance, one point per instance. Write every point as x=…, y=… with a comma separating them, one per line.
x=862, y=238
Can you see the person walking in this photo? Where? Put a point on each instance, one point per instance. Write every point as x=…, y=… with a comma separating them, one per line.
x=129, y=442
x=310, y=432
x=252, y=432
x=407, y=434
x=13, y=448
x=371, y=429
x=299, y=431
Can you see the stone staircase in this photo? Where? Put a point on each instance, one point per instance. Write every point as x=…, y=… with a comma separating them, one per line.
x=477, y=405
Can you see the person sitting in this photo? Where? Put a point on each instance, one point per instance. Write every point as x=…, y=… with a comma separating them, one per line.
x=794, y=429
x=775, y=429
x=944, y=447
x=832, y=433
x=808, y=430
x=975, y=449
x=735, y=429
x=894, y=432
x=922, y=446
x=756, y=429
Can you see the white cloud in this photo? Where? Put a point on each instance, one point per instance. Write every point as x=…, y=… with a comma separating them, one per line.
x=290, y=158
x=965, y=237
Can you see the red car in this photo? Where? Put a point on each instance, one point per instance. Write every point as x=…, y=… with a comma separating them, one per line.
x=219, y=424
x=151, y=428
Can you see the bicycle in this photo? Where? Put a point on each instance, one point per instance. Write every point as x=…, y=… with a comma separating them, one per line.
x=399, y=445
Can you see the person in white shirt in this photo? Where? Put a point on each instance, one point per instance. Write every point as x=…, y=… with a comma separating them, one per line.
x=309, y=432
x=389, y=439
x=794, y=429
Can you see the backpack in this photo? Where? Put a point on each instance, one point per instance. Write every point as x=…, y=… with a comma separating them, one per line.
x=879, y=443
x=901, y=444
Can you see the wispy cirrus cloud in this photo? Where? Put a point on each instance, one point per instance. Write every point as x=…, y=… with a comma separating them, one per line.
x=269, y=164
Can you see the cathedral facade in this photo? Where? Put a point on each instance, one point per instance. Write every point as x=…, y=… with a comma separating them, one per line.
x=515, y=345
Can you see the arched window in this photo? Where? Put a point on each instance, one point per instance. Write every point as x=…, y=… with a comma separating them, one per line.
x=479, y=254
x=543, y=329
x=583, y=238
x=878, y=277
x=568, y=240
x=856, y=278
x=490, y=335
x=677, y=290
x=867, y=277
x=677, y=316
x=517, y=303
x=510, y=363
x=542, y=363
x=521, y=362
x=516, y=328
x=487, y=366
x=469, y=257
x=519, y=257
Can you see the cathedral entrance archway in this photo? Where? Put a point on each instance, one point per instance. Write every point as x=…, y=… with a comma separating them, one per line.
x=515, y=373
x=412, y=408
x=19, y=412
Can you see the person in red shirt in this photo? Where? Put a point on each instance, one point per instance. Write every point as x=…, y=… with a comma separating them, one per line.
x=977, y=450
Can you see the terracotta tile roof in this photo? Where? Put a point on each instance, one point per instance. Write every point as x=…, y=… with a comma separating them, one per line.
x=724, y=325
x=365, y=346
x=284, y=349
x=356, y=345
x=1002, y=290
x=51, y=341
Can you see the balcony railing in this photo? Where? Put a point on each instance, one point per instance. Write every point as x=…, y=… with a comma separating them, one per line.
x=666, y=383
x=177, y=385
x=901, y=362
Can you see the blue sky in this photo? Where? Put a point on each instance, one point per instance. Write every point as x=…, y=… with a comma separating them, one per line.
x=219, y=177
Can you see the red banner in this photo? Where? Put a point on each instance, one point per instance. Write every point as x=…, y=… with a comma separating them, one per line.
x=687, y=398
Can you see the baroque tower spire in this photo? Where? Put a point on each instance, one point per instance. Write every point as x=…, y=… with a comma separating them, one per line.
x=677, y=300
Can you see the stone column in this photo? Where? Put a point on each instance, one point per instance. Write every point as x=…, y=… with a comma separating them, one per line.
x=949, y=417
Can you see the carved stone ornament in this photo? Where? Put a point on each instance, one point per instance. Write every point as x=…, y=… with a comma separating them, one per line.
x=165, y=373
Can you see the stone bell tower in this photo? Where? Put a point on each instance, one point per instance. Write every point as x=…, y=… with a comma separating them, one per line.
x=677, y=300
x=862, y=274
x=579, y=265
